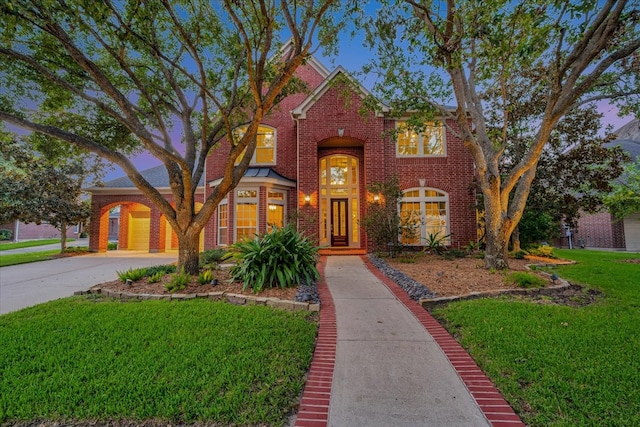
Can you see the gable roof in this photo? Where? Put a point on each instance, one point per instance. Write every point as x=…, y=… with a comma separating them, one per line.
x=300, y=112
x=157, y=176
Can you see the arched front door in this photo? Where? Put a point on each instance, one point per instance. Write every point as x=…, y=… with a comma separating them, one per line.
x=339, y=199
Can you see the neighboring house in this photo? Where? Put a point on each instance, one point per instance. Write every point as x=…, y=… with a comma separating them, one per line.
x=31, y=231
x=316, y=155
x=602, y=230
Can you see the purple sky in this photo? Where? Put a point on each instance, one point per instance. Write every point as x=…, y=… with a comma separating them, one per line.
x=352, y=57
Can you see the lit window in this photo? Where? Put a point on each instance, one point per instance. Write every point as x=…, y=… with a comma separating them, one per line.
x=246, y=214
x=275, y=209
x=223, y=218
x=424, y=213
x=429, y=142
x=265, y=152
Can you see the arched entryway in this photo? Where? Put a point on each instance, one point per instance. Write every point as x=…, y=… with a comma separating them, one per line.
x=339, y=201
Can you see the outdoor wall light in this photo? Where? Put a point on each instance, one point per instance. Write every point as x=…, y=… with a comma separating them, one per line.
x=376, y=197
x=307, y=199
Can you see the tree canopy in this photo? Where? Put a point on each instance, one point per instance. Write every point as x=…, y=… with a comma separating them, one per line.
x=475, y=54
x=173, y=78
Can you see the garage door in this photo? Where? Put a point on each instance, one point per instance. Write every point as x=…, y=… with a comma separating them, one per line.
x=139, y=228
x=632, y=232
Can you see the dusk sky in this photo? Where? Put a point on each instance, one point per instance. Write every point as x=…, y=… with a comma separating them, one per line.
x=352, y=56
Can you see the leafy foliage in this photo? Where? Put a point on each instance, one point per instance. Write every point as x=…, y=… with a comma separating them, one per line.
x=382, y=220
x=205, y=277
x=281, y=258
x=5, y=234
x=179, y=281
x=571, y=53
x=625, y=197
x=117, y=77
x=37, y=188
x=213, y=256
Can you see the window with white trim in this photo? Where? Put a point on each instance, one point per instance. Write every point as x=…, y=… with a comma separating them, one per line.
x=275, y=209
x=424, y=142
x=265, y=152
x=427, y=209
x=223, y=223
x=246, y=214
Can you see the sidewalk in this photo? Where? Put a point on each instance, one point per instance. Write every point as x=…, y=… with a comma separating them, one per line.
x=379, y=365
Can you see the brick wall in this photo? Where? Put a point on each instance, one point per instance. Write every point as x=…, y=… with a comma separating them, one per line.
x=600, y=230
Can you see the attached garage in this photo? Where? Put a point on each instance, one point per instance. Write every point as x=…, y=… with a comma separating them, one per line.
x=139, y=229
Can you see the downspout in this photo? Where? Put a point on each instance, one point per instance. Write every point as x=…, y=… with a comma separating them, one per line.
x=297, y=122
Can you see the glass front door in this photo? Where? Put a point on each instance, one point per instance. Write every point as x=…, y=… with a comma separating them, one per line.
x=339, y=201
x=339, y=222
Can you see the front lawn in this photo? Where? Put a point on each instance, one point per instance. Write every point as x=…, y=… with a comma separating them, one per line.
x=5, y=246
x=27, y=257
x=96, y=359
x=559, y=365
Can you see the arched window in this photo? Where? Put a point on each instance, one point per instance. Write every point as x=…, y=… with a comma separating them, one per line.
x=424, y=213
x=265, y=153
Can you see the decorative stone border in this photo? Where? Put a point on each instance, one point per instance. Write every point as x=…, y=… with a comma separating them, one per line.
x=430, y=303
x=231, y=298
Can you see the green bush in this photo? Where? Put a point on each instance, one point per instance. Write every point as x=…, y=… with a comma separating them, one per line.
x=543, y=251
x=5, y=234
x=205, y=277
x=213, y=256
x=178, y=281
x=526, y=280
x=163, y=269
x=281, y=257
x=112, y=246
x=156, y=277
x=132, y=274
x=520, y=254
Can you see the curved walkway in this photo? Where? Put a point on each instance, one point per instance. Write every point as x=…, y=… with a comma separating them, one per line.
x=382, y=360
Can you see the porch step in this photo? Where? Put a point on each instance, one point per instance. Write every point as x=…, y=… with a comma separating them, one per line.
x=342, y=251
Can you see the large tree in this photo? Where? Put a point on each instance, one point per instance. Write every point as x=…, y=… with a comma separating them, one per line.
x=174, y=78
x=45, y=186
x=477, y=52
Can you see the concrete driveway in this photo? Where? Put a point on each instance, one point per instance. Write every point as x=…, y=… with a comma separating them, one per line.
x=29, y=284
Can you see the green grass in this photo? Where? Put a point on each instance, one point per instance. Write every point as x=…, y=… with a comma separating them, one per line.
x=15, y=259
x=29, y=244
x=557, y=365
x=85, y=358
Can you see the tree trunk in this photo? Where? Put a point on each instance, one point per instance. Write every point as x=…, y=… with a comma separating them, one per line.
x=63, y=237
x=496, y=234
x=189, y=252
x=515, y=239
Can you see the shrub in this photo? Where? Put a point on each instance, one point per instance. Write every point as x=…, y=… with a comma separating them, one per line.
x=435, y=242
x=526, y=280
x=156, y=277
x=543, y=251
x=454, y=253
x=163, y=269
x=112, y=246
x=281, y=257
x=213, y=256
x=132, y=274
x=5, y=234
x=178, y=281
x=520, y=254
x=205, y=277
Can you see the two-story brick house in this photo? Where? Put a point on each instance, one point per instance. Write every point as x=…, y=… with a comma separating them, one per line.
x=317, y=154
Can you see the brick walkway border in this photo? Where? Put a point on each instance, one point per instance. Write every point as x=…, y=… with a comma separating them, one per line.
x=489, y=399
x=314, y=407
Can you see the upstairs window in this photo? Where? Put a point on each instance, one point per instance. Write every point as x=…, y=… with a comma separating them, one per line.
x=429, y=142
x=265, y=153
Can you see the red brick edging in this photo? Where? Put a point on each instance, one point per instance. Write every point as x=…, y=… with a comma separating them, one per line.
x=314, y=407
x=489, y=399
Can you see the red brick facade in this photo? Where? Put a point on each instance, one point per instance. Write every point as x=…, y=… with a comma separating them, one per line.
x=325, y=124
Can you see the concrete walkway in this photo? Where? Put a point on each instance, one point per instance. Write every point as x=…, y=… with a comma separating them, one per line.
x=384, y=368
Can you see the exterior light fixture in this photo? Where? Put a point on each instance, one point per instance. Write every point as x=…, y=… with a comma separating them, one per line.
x=376, y=197
x=307, y=199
